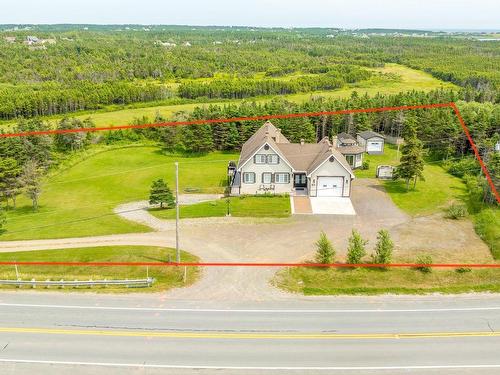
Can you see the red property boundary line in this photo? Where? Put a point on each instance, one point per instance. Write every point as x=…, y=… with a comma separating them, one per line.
x=451, y=105
x=216, y=264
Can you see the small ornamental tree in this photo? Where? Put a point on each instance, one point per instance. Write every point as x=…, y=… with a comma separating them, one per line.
x=356, y=249
x=384, y=248
x=325, y=253
x=161, y=194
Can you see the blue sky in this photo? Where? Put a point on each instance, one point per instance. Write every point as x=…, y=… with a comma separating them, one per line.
x=421, y=14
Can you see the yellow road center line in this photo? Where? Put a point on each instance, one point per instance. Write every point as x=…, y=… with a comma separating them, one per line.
x=256, y=335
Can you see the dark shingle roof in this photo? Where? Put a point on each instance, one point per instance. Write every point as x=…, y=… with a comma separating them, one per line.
x=367, y=134
x=302, y=157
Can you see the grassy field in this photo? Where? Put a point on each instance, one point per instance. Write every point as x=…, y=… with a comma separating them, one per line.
x=487, y=226
x=430, y=196
x=389, y=157
x=79, y=201
x=166, y=277
x=238, y=206
x=314, y=281
x=391, y=79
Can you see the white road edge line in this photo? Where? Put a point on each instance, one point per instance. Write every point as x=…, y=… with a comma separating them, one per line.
x=271, y=311
x=276, y=368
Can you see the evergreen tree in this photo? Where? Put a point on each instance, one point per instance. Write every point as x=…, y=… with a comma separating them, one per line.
x=356, y=249
x=30, y=180
x=411, y=164
x=325, y=253
x=9, y=173
x=161, y=194
x=72, y=141
x=384, y=248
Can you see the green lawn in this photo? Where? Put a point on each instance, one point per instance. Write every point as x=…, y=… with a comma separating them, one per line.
x=430, y=196
x=80, y=200
x=245, y=206
x=408, y=79
x=166, y=277
x=314, y=281
x=389, y=157
x=487, y=226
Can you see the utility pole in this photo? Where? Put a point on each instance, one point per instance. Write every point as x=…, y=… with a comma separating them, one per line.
x=177, y=212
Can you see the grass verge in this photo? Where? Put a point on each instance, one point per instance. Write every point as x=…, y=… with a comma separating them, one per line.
x=361, y=281
x=166, y=277
x=487, y=226
x=244, y=206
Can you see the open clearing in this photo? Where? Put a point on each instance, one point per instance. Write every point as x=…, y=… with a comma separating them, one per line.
x=79, y=201
x=393, y=78
x=166, y=277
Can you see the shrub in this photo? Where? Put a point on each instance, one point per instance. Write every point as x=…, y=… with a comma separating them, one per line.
x=456, y=211
x=463, y=270
x=365, y=165
x=424, y=260
x=325, y=252
x=356, y=250
x=384, y=248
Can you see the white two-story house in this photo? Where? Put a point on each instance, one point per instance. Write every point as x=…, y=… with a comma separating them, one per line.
x=269, y=163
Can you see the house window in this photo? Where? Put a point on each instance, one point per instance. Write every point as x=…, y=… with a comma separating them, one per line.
x=282, y=178
x=358, y=157
x=350, y=160
x=267, y=178
x=273, y=159
x=260, y=159
x=249, y=177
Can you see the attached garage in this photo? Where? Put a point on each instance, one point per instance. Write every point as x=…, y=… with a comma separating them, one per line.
x=330, y=186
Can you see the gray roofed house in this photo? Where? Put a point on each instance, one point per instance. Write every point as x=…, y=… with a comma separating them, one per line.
x=348, y=146
x=372, y=143
x=269, y=162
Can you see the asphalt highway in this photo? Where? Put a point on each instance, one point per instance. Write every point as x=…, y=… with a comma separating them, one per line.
x=47, y=333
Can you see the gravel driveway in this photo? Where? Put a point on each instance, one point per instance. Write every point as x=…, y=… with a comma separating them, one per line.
x=229, y=239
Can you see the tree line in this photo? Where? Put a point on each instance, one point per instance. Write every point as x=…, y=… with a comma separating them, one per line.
x=239, y=88
x=87, y=69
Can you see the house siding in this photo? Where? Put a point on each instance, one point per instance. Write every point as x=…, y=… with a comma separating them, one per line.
x=259, y=187
x=364, y=142
x=330, y=169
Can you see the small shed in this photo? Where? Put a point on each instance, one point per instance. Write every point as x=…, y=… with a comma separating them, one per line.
x=385, y=172
x=497, y=146
x=372, y=142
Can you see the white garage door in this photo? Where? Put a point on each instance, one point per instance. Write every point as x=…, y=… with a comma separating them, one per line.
x=374, y=146
x=330, y=186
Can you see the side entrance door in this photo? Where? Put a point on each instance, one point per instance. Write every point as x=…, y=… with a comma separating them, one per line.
x=330, y=186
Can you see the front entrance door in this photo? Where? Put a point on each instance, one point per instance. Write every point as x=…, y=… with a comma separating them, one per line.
x=299, y=180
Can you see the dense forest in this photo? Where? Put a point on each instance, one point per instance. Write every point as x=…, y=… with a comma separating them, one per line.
x=46, y=70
